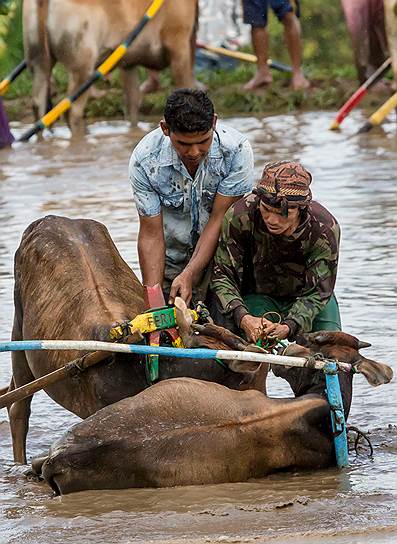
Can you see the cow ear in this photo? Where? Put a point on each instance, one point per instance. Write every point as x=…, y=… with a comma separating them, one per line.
x=321, y=338
x=376, y=373
x=184, y=320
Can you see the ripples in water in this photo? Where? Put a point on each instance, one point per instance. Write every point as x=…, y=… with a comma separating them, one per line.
x=355, y=178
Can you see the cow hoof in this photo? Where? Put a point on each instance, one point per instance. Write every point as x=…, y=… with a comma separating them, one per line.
x=32, y=476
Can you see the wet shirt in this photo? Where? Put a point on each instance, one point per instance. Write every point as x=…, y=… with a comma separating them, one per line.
x=161, y=184
x=300, y=268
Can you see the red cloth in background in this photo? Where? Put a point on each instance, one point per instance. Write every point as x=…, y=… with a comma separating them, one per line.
x=366, y=25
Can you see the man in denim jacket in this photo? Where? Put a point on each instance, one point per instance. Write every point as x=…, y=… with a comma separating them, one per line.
x=184, y=176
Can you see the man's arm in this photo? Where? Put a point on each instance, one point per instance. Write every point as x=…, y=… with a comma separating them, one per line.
x=204, y=250
x=151, y=244
x=321, y=277
x=227, y=273
x=151, y=249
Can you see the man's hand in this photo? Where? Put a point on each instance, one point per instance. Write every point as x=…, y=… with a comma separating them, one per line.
x=253, y=327
x=182, y=287
x=281, y=331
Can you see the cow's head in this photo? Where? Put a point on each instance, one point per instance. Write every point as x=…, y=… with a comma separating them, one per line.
x=214, y=337
x=342, y=347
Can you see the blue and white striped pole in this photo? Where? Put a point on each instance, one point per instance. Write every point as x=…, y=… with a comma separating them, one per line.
x=330, y=369
x=140, y=349
x=334, y=397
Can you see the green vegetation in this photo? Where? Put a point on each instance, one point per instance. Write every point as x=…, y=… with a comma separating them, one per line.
x=327, y=60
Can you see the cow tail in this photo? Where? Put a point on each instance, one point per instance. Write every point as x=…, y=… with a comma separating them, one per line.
x=42, y=15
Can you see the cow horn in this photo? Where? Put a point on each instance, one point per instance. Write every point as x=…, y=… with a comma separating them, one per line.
x=362, y=345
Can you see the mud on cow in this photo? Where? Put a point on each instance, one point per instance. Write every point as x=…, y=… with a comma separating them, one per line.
x=72, y=284
x=80, y=33
x=189, y=432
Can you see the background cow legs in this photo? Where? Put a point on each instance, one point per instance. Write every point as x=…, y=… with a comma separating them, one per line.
x=75, y=117
x=41, y=90
x=132, y=94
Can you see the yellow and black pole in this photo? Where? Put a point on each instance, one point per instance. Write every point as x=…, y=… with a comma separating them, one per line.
x=107, y=65
x=11, y=76
x=378, y=117
x=245, y=57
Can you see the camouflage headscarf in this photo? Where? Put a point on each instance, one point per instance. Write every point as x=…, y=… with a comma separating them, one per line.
x=283, y=184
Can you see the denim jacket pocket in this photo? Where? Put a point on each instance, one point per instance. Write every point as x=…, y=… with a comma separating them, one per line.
x=172, y=201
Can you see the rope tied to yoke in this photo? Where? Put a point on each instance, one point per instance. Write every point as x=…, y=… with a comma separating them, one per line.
x=265, y=340
x=359, y=436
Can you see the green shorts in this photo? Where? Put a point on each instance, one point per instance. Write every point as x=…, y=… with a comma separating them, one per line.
x=327, y=320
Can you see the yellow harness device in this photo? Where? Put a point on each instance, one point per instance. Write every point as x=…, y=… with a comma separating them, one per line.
x=151, y=324
x=157, y=319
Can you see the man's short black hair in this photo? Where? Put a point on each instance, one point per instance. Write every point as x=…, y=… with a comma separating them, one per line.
x=189, y=110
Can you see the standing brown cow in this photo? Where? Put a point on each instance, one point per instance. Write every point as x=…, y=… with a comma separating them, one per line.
x=71, y=283
x=79, y=33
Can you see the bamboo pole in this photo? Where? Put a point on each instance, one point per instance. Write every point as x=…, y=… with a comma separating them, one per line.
x=4, y=85
x=356, y=97
x=99, y=347
x=41, y=383
x=245, y=57
x=379, y=116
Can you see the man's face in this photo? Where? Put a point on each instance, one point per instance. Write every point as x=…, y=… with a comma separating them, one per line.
x=191, y=147
x=276, y=223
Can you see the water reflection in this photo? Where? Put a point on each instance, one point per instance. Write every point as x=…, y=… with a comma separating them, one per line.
x=355, y=178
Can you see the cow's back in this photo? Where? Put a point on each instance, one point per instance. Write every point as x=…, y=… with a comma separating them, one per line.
x=98, y=26
x=80, y=34
x=72, y=284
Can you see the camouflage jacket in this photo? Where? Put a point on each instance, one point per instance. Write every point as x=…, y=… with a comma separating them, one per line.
x=300, y=268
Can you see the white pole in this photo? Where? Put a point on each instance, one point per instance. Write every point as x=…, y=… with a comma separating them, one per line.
x=194, y=353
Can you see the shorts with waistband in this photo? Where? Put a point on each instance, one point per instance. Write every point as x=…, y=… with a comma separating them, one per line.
x=255, y=11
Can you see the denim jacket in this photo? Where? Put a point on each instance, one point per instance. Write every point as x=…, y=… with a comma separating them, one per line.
x=161, y=184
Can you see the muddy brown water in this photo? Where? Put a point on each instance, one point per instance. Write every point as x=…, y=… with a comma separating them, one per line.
x=355, y=177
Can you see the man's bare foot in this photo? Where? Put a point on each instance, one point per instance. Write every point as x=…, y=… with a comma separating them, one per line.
x=299, y=82
x=151, y=84
x=258, y=81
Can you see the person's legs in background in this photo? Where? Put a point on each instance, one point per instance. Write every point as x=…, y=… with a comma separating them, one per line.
x=255, y=14
x=285, y=13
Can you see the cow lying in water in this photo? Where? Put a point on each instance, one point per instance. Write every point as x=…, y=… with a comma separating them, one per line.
x=71, y=283
x=189, y=432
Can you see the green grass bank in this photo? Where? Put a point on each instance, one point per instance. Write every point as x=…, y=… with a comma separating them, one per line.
x=328, y=63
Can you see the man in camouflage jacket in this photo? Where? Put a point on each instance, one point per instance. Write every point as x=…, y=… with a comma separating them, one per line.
x=278, y=252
